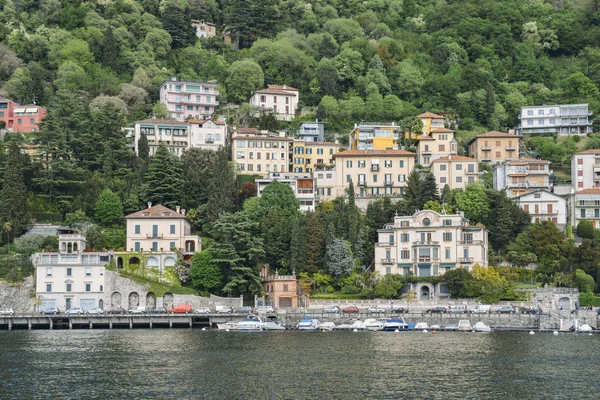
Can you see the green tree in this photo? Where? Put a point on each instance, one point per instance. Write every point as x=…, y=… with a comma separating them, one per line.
x=143, y=149
x=163, y=178
x=175, y=20
x=243, y=78
x=474, y=202
x=108, y=209
x=298, y=245
x=428, y=190
x=314, y=245
x=413, y=189
x=456, y=279
x=584, y=282
x=205, y=272
x=585, y=229
x=14, y=192
x=340, y=261
x=280, y=195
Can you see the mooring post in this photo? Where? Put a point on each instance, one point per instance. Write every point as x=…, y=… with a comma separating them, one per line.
x=51, y=323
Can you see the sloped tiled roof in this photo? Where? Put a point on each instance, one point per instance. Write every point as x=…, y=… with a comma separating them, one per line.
x=429, y=115
x=592, y=151
x=454, y=158
x=425, y=138
x=201, y=121
x=158, y=211
x=161, y=121
x=374, y=153
x=589, y=191
x=276, y=91
x=441, y=130
x=282, y=87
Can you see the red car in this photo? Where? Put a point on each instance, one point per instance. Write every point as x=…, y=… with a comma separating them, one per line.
x=350, y=309
x=181, y=309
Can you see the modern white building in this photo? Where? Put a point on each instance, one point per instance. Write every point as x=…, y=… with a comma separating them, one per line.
x=208, y=134
x=585, y=206
x=303, y=185
x=73, y=277
x=281, y=99
x=521, y=176
x=312, y=132
x=563, y=119
x=543, y=205
x=585, y=170
x=189, y=99
x=429, y=244
x=175, y=134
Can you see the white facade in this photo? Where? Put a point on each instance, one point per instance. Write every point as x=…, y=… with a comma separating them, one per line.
x=543, y=205
x=564, y=119
x=189, y=99
x=175, y=134
x=303, y=185
x=585, y=170
x=281, y=99
x=585, y=206
x=430, y=244
x=326, y=184
x=208, y=134
x=71, y=277
x=455, y=171
x=521, y=176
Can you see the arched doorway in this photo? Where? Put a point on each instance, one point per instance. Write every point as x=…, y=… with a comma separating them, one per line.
x=170, y=261
x=168, y=300
x=134, y=300
x=115, y=299
x=152, y=262
x=150, y=300
x=134, y=261
x=101, y=304
x=119, y=263
x=564, y=303
x=190, y=246
x=425, y=292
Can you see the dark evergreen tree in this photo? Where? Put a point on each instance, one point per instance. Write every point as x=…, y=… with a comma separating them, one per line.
x=110, y=51
x=176, y=21
x=298, y=245
x=222, y=187
x=315, y=245
x=143, y=149
x=163, y=179
x=117, y=157
x=428, y=190
x=14, y=193
x=413, y=189
x=275, y=228
x=353, y=216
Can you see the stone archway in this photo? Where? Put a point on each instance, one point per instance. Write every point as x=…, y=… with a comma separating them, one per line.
x=119, y=262
x=134, y=300
x=170, y=261
x=564, y=303
x=115, y=299
x=168, y=300
x=152, y=262
x=150, y=299
x=134, y=261
x=190, y=246
x=425, y=292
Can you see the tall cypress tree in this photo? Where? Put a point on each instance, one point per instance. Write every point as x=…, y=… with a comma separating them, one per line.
x=298, y=245
x=143, y=149
x=314, y=245
x=110, y=51
x=13, y=193
x=175, y=20
x=116, y=157
x=413, y=189
x=163, y=179
x=428, y=190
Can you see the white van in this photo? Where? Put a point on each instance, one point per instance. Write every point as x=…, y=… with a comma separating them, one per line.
x=481, y=309
x=139, y=310
x=223, y=309
x=461, y=309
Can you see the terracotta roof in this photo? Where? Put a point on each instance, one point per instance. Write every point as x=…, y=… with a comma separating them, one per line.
x=158, y=211
x=201, y=121
x=592, y=151
x=454, y=158
x=528, y=160
x=161, y=121
x=320, y=143
x=248, y=130
x=589, y=191
x=496, y=134
x=275, y=91
x=425, y=138
x=374, y=153
x=429, y=115
x=282, y=87
x=441, y=130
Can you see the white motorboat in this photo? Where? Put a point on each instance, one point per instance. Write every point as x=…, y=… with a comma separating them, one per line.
x=481, y=327
x=373, y=324
x=273, y=324
x=326, y=326
x=464, y=325
x=395, y=324
x=308, y=323
x=421, y=325
x=228, y=326
x=584, y=328
x=250, y=323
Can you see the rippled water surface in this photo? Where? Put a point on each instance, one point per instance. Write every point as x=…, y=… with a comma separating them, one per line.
x=192, y=364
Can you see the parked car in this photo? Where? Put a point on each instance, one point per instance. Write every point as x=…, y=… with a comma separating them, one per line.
x=117, y=310
x=399, y=310
x=74, y=310
x=7, y=311
x=506, y=310
x=244, y=310
x=50, y=310
x=532, y=310
x=223, y=309
x=350, y=309
x=181, y=309
x=331, y=310
x=460, y=309
x=437, y=310
x=139, y=310
x=265, y=309
x=481, y=309
x=158, y=310
x=202, y=310
x=375, y=310
x=94, y=311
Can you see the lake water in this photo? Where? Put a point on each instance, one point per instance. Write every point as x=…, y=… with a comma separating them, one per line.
x=192, y=364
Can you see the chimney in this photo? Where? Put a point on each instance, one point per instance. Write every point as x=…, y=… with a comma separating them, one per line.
x=183, y=211
x=177, y=209
x=149, y=204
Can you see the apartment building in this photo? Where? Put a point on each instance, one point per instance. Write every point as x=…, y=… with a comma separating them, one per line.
x=208, y=134
x=585, y=170
x=189, y=99
x=543, y=205
x=326, y=184
x=374, y=136
x=18, y=118
x=494, y=147
x=522, y=176
x=282, y=100
x=430, y=121
x=455, y=171
x=312, y=132
x=439, y=143
x=204, y=29
x=585, y=206
x=562, y=119
x=175, y=134
x=260, y=152
x=373, y=172
x=308, y=156
x=430, y=244
x=72, y=277
x=158, y=228
x=303, y=185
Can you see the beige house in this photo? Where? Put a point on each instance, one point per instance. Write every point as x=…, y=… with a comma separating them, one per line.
x=543, y=205
x=439, y=143
x=308, y=156
x=281, y=99
x=260, y=152
x=455, y=171
x=373, y=172
x=208, y=134
x=522, y=176
x=159, y=228
x=493, y=147
x=430, y=121
x=585, y=170
x=326, y=184
x=204, y=29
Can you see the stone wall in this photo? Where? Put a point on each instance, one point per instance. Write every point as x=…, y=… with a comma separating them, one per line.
x=18, y=296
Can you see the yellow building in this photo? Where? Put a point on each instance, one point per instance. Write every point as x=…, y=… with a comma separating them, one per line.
x=493, y=147
x=439, y=143
x=430, y=121
x=374, y=136
x=260, y=152
x=307, y=155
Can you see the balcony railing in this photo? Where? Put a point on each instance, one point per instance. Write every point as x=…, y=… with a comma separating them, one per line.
x=388, y=261
x=486, y=148
x=362, y=183
x=209, y=140
x=425, y=259
x=510, y=148
x=389, y=183
x=157, y=236
x=426, y=243
x=374, y=167
x=465, y=260
x=426, y=151
x=470, y=242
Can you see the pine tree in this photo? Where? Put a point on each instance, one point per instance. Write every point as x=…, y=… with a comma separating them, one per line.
x=143, y=149
x=276, y=237
x=428, y=190
x=175, y=20
x=14, y=193
x=352, y=215
x=314, y=244
x=222, y=186
x=163, y=178
x=413, y=189
x=108, y=209
x=110, y=51
x=298, y=245
x=490, y=103
x=116, y=157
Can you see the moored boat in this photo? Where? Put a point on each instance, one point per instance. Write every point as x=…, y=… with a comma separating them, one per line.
x=421, y=325
x=228, y=326
x=273, y=324
x=326, y=326
x=308, y=323
x=481, y=327
x=373, y=324
x=250, y=323
x=464, y=325
x=395, y=324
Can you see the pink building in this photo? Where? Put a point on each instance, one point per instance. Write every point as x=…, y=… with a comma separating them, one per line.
x=20, y=118
x=189, y=99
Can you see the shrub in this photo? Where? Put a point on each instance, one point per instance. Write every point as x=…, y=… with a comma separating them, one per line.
x=29, y=244
x=585, y=229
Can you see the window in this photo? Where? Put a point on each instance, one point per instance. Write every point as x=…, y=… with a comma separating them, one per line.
x=405, y=254
x=31, y=121
x=498, y=155
x=88, y=272
x=48, y=287
x=263, y=98
x=137, y=229
x=387, y=163
x=442, y=179
x=348, y=178
x=48, y=271
x=442, y=148
x=361, y=163
x=580, y=161
x=540, y=121
x=459, y=179
x=374, y=178
x=459, y=167
x=19, y=121
x=285, y=286
x=530, y=112
x=401, y=177
x=447, y=236
x=154, y=246
x=319, y=151
x=401, y=163
x=69, y=271
x=348, y=163
x=405, y=237
x=172, y=245
x=68, y=287
x=442, y=167
x=172, y=229
x=447, y=222
x=447, y=253
x=88, y=287
x=136, y=246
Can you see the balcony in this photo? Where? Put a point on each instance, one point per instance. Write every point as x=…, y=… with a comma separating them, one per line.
x=426, y=243
x=209, y=140
x=390, y=261
x=465, y=260
x=157, y=236
x=362, y=183
x=510, y=148
x=471, y=242
x=388, y=183
x=374, y=167
x=425, y=260
x=426, y=152
x=517, y=171
x=537, y=171
x=486, y=148
x=472, y=172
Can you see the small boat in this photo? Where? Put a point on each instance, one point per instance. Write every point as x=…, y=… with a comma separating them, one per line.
x=373, y=324
x=273, y=324
x=451, y=327
x=584, y=328
x=250, y=323
x=481, y=327
x=395, y=324
x=356, y=325
x=326, y=326
x=308, y=323
x=228, y=326
x=464, y=325
x=421, y=325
